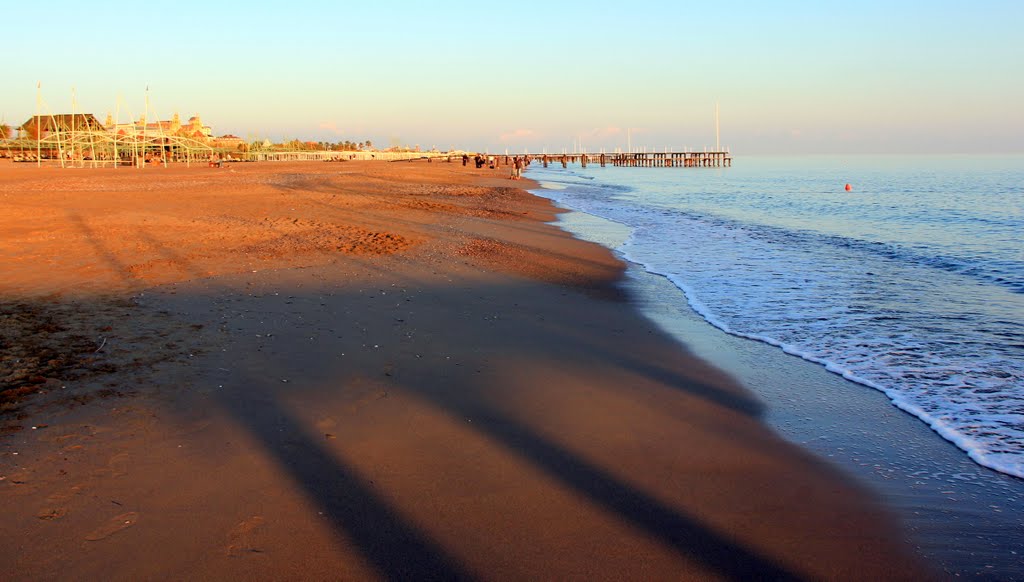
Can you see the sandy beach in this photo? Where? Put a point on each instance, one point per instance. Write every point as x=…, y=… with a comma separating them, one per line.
x=368, y=370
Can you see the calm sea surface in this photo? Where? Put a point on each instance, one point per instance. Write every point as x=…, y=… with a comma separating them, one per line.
x=912, y=283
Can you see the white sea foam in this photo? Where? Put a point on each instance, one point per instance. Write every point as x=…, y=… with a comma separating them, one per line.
x=855, y=286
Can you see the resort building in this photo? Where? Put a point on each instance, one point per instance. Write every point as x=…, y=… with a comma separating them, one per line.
x=43, y=126
x=194, y=129
x=228, y=141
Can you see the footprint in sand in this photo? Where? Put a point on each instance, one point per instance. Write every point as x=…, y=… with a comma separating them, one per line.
x=54, y=508
x=118, y=465
x=243, y=537
x=326, y=423
x=50, y=513
x=116, y=524
x=65, y=496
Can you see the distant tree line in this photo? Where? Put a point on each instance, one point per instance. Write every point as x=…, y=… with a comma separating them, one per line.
x=341, y=146
x=348, y=146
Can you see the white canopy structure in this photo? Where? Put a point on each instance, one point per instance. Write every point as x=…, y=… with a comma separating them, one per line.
x=79, y=139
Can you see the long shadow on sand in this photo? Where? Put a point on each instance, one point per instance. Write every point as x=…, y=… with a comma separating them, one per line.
x=395, y=548
x=398, y=549
x=102, y=252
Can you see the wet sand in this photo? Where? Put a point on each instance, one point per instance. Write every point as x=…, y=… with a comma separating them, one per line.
x=964, y=520
x=368, y=370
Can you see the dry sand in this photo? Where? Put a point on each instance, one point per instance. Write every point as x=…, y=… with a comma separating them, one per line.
x=367, y=370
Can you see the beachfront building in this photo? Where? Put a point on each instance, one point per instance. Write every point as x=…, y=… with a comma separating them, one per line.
x=194, y=129
x=44, y=126
x=230, y=143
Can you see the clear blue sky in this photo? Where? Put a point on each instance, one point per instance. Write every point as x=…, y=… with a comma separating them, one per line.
x=790, y=77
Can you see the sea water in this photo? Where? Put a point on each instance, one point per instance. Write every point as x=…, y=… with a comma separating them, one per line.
x=911, y=282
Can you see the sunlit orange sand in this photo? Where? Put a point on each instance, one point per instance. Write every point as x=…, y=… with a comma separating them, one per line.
x=371, y=370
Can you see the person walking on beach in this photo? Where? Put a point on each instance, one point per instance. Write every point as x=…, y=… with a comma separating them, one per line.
x=517, y=168
x=465, y=159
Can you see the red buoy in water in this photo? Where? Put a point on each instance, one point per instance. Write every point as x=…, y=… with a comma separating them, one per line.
x=849, y=187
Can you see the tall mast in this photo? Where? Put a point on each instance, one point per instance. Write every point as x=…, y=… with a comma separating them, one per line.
x=718, y=147
x=74, y=122
x=145, y=122
x=113, y=130
x=39, y=120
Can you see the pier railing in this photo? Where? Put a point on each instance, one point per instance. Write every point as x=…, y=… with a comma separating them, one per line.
x=716, y=159
x=640, y=160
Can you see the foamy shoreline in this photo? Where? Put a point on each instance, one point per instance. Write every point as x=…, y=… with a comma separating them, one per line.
x=937, y=491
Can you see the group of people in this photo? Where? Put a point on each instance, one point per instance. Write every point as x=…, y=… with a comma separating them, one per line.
x=478, y=160
x=518, y=164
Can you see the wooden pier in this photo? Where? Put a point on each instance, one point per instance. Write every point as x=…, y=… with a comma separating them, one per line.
x=674, y=160
x=718, y=159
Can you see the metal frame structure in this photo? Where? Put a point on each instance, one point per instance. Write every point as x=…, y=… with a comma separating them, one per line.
x=78, y=140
